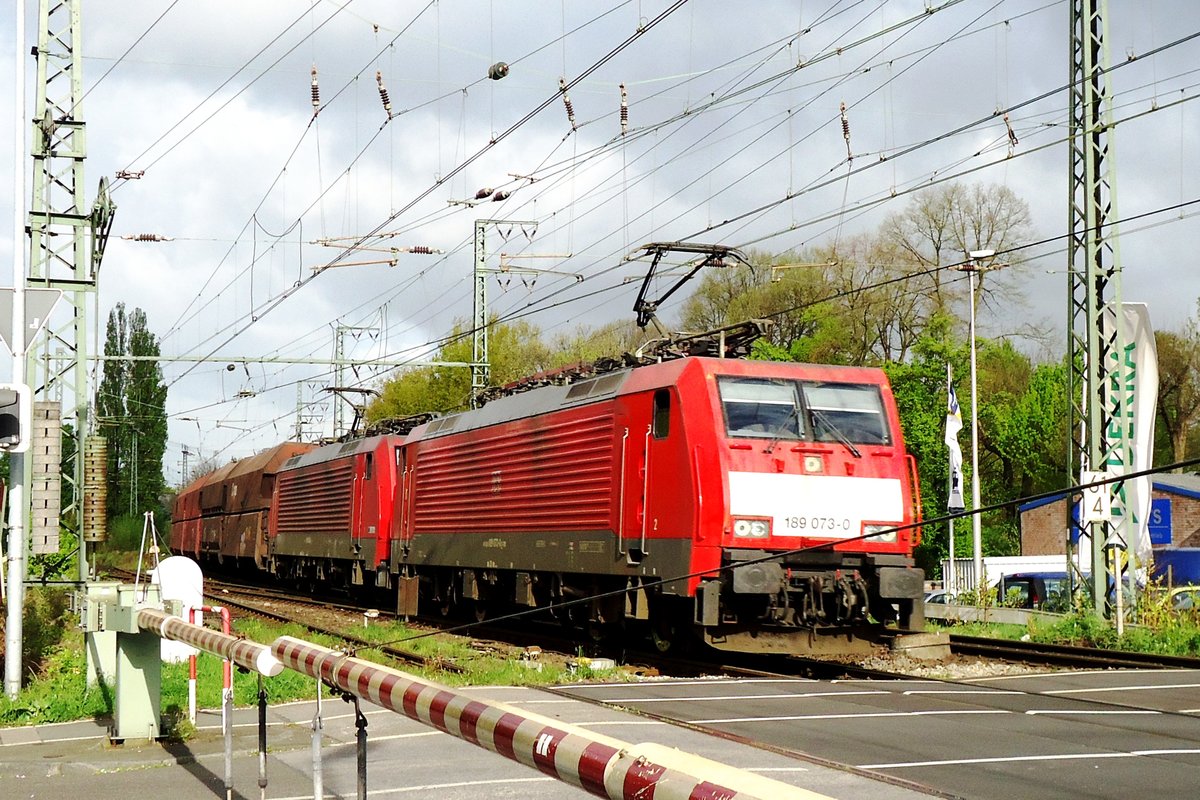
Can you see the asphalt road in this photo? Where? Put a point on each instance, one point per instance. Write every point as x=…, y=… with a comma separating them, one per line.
x=1100, y=734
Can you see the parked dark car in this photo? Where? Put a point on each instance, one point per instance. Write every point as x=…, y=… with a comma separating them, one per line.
x=1045, y=591
x=1051, y=591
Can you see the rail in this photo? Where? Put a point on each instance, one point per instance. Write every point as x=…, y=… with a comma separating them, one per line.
x=1066, y=655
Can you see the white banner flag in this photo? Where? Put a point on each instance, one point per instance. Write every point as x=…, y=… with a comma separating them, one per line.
x=1131, y=442
x=954, y=499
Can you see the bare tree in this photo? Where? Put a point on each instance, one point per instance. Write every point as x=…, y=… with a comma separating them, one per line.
x=942, y=224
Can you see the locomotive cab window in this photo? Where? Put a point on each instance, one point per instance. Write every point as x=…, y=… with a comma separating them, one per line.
x=845, y=411
x=370, y=467
x=662, y=413
x=760, y=407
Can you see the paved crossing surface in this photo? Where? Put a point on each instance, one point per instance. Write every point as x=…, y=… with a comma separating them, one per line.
x=405, y=759
x=1063, y=735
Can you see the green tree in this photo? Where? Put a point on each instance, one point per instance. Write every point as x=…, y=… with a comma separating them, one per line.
x=515, y=350
x=131, y=414
x=1178, y=388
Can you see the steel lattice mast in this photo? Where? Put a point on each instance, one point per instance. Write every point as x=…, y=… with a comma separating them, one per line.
x=66, y=240
x=1094, y=271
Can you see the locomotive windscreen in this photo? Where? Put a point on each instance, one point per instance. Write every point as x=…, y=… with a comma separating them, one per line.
x=850, y=410
x=762, y=407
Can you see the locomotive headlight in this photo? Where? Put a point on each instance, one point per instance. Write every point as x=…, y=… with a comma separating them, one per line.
x=751, y=527
x=873, y=528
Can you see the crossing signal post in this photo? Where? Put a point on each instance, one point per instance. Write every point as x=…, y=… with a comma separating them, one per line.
x=15, y=417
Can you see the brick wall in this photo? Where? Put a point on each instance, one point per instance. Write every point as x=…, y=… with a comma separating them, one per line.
x=1043, y=529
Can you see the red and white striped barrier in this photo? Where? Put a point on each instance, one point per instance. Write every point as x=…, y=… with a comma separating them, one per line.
x=603, y=766
x=243, y=652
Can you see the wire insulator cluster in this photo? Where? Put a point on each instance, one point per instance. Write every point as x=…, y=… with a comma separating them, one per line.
x=624, y=110
x=146, y=237
x=316, y=91
x=421, y=250
x=1013, y=141
x=846, y=132
x=483, y=193
x=562, y=87
x=383, y=94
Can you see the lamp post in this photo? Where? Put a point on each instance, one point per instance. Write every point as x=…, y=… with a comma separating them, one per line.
x=971, y=267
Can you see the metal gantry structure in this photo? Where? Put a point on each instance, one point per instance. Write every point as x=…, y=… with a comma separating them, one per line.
x=480, y=370
x=66, y=238
x=1095, y=333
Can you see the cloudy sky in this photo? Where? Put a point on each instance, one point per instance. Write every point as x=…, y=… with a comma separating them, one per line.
x=733, y=109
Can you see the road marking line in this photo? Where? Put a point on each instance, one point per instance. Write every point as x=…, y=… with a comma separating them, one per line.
x=1085, y=713
x=962, y=691
x=701, y=682
x=743, y=697
x=1073, y=674
x=54, y=741
x=869, y=715
x=1148, y=687
x=1014, y=759
x=427, y=787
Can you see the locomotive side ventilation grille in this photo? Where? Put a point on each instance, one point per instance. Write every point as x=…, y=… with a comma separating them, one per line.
x=316, y=500
x=557, y=476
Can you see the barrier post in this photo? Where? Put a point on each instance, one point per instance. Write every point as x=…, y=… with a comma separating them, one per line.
x=360, y=724
x=192, y=673
x=318, y=778
x=262, y=739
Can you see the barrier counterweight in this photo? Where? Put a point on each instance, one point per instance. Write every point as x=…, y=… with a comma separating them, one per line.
x=600, y=765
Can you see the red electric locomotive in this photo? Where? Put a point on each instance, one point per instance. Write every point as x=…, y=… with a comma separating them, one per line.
x=672, y=481
x=722, y=497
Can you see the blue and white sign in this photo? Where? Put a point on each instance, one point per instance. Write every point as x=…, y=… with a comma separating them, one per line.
x=1160, y=521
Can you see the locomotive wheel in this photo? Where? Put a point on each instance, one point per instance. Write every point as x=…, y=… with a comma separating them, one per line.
x=665, y=636
x=447, y=603
x=479, y=610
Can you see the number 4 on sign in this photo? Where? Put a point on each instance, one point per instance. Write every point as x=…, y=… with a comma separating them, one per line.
x=1097, y=502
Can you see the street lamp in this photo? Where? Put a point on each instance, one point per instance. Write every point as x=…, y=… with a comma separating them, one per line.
x=971, y=267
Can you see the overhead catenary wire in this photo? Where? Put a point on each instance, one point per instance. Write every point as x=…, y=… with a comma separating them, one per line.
x=581, y=107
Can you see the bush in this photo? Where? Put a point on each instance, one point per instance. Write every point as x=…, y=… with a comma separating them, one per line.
x=43, y=624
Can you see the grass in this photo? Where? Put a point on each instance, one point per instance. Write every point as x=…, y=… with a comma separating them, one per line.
x=1157, y=629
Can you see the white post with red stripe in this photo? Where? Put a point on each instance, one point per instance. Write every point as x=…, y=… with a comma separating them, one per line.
x=600, y=765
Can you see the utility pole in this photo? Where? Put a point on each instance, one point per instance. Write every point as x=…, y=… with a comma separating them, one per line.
x=13, y=638
x=1093, y=278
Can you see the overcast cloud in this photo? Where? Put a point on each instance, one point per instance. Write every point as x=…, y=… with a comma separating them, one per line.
x=214, y=104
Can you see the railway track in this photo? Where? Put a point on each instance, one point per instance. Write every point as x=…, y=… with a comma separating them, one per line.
x=1066, y=655
x=258, y=601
